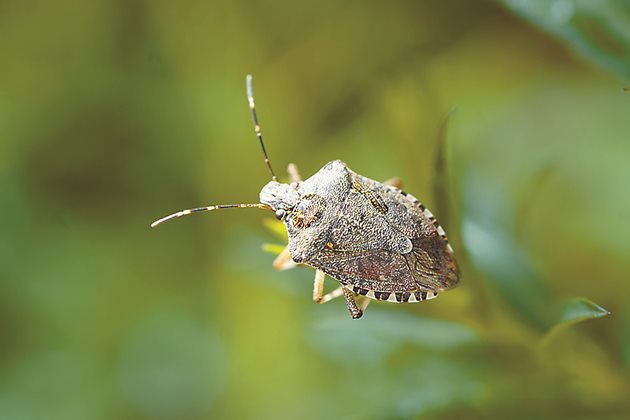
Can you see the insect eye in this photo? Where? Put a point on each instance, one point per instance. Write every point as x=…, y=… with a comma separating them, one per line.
x=280, y=214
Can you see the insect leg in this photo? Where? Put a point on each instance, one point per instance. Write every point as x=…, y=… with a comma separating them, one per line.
x=318, y=289
x=365, y=303
x=334, y=294
x=354, y=310
x=318, y=286
x=284, y=261
x=393, y=182
x=294, y=174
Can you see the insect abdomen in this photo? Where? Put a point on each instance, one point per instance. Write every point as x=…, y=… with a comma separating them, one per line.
x=394, y=297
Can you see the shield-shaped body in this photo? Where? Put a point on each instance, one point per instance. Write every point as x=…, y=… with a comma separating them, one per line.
x=373, y=238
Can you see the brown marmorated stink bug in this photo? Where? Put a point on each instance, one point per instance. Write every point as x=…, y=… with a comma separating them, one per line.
x=373, y=238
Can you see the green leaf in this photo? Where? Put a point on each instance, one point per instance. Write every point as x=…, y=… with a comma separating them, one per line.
x=381, y=332
x=487, y=234
x=573, y=311
x=580, y=309
x=276, y=228
x=441, y=179
x=273, y=248
x=597, y=30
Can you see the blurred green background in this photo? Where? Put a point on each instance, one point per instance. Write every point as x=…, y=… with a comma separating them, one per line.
x=115, y=113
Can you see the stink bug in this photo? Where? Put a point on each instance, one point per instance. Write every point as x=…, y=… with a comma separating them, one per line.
x=373, y=238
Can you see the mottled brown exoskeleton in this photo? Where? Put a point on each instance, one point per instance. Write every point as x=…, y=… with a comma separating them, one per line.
x=373, y=238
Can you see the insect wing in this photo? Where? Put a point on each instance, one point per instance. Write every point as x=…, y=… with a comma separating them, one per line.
x=384, y=240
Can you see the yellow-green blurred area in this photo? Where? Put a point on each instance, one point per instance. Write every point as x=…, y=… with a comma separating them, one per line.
x=508, y=119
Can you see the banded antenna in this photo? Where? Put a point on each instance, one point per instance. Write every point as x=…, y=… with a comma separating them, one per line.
x=207, y=208
x=250, y=99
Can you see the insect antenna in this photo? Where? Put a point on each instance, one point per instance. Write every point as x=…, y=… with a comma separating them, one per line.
x=250, y=99
x=207, y=208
